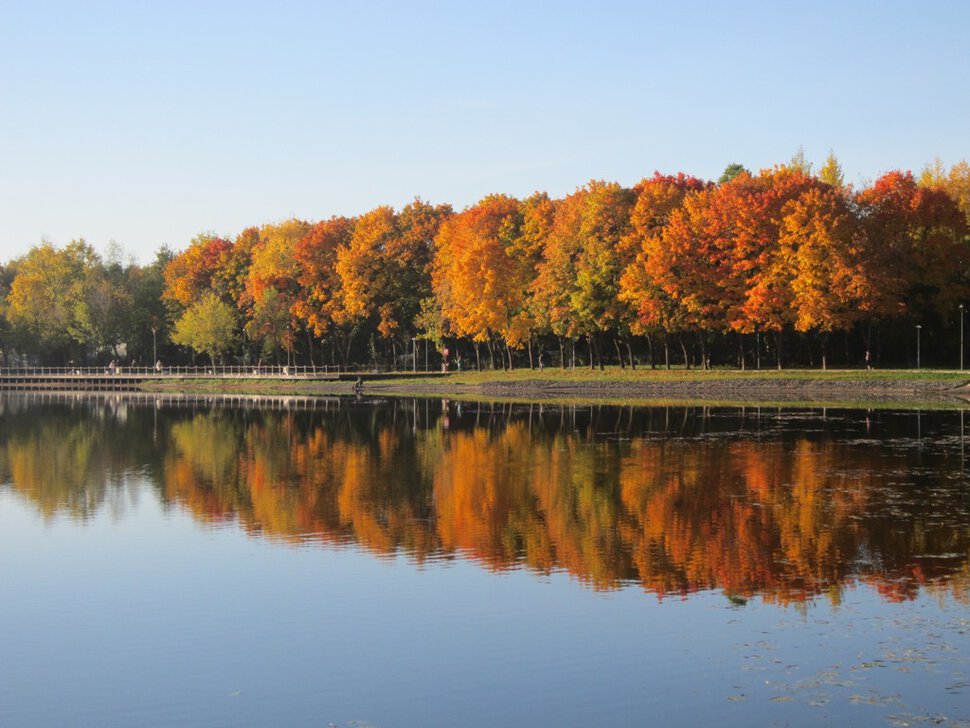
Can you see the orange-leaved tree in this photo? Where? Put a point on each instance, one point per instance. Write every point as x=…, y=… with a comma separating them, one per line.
x=195, y=271
x=916, y=248
x=821, y=253
x=649, y=307
x=319, y=304
x=577, y=281
x=478, y=280
x=272, y=287
x=408, y=261
x=555, y=273
x=385, y=268
x=760, y=269
x=719, y=258
x=538, y=219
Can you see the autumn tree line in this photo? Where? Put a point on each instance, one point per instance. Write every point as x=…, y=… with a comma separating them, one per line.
x=787, y=266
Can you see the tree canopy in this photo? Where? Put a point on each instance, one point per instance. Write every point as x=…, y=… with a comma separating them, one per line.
x=727, y=270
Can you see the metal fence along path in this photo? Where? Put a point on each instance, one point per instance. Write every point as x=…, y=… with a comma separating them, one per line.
x=129, y=378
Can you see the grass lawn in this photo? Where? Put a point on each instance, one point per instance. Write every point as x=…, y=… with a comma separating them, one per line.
x=572, y=386
x=615, y=374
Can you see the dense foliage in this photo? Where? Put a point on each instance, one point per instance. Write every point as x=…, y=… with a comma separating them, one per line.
x=783, y=266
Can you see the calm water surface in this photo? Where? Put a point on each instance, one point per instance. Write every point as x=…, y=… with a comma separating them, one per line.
x=424, y=563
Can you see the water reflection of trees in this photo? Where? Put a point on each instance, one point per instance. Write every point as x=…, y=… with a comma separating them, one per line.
x=73, y=458
x=783, y=505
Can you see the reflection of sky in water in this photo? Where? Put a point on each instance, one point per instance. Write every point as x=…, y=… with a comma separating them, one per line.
x=155, y=619
x=139, y=611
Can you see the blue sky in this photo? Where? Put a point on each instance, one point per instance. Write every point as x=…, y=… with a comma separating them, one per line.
x=147, y=123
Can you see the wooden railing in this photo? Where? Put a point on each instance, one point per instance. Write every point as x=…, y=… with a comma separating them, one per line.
x=171, y=371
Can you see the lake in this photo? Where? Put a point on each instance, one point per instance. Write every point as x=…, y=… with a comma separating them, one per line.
x=268, y=562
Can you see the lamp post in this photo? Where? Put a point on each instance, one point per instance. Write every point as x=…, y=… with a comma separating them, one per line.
x=918, y=327
x=961, y=337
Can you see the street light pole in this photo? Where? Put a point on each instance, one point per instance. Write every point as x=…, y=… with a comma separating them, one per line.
x=918, y=327
x=961, y=337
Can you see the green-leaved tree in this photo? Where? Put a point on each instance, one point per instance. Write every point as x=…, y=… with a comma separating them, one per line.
x=208, y=327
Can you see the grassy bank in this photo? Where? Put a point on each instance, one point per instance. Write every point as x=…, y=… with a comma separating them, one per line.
x=640, y=375
x=794, y=387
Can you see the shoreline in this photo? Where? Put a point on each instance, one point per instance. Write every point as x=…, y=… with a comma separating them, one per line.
x=797, y=387
x=724, y=390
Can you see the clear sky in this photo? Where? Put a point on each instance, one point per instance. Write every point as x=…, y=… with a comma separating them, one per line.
x=150, y=122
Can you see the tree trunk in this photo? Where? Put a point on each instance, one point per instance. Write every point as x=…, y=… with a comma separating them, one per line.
x=619, y=354
x=348, y=341
x=683, y=348
x=629, y=351
x=778, y=348
x=562, y=354
x=478, y=357
x=741, y=351
x=531, y=363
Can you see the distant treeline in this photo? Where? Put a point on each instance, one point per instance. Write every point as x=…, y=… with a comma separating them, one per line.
x=787, y=266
